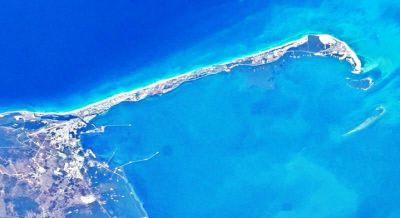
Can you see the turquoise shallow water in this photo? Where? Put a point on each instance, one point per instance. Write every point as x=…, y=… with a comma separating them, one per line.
x=262, y=142
x=265, y=142
x=369, y=27
x=110, y=59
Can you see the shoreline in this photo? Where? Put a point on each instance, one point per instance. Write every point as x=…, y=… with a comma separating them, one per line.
x=63, y=129
x=58, y=110
x=258, y=58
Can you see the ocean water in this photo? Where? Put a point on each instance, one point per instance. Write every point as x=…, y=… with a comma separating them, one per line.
x=291, y=139
x=82, y=52
x=263, y=142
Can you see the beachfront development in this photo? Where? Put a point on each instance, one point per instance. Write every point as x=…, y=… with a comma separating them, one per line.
x=43, y=163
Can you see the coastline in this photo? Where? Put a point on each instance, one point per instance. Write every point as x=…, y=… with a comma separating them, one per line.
x=342, y=51
x=63, y=129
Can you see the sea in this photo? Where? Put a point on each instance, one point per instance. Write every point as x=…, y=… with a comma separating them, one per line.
x=292, y=139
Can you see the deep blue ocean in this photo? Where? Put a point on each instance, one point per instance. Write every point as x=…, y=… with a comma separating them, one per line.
x=264, y=142
x=61, y=55
x=82, y=51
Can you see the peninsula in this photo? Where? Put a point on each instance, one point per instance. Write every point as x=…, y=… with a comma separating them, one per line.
x=43, y=164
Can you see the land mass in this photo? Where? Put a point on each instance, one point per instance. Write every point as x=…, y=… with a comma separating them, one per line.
x=45, y=171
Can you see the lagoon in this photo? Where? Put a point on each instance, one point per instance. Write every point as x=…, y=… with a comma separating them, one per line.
x=259, y=142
